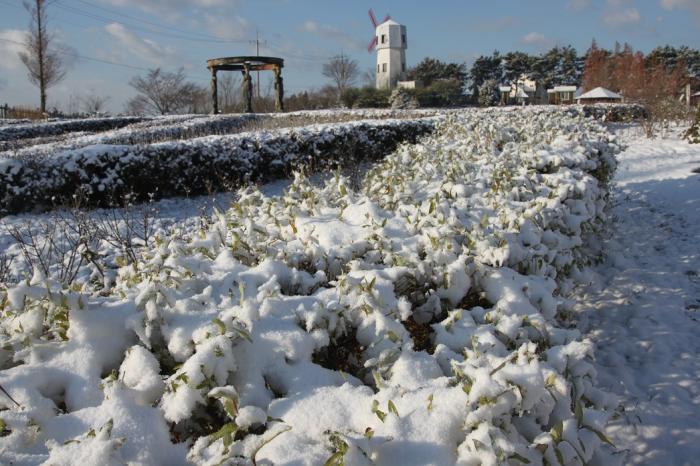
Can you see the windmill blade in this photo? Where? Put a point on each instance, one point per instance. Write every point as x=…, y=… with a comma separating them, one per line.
x=373, y=18
x=372, y=44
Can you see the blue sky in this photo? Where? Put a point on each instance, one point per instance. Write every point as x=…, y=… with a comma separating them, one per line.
x=173, y=33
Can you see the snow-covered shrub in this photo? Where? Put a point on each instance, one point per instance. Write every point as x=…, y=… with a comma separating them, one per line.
x=615, y=113
x=53, y=128
x=442, y=282
x=37, y=144
x=693, y=133
x=104, y=174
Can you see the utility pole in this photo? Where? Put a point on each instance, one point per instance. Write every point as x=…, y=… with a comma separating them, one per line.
x=257, y=43
x=257, y=53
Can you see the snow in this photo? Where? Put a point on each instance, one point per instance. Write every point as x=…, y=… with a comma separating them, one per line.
x=282, y=325
x=564, y=88
x=599, y=93
x=642, y=308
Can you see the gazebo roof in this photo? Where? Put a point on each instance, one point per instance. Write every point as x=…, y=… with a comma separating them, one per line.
x=600, y=93
x=253, y=63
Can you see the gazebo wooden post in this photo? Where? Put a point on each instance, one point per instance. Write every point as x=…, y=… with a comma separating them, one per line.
x=214, y=91
x=279, y=87
x=247, y=89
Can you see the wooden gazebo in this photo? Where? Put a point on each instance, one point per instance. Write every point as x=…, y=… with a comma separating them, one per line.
x=245, y=65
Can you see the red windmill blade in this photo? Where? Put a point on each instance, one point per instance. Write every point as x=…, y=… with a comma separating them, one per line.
x=373, y=19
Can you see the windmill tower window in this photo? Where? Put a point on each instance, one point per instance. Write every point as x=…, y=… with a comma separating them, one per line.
x=384, y=67
x=403, y=39
x=383, y=38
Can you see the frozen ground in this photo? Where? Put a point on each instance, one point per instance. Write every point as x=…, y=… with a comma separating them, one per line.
x=643, y=310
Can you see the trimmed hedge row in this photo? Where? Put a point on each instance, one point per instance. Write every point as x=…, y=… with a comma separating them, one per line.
x=616, y=113
x=103, y=175
x=55, y=128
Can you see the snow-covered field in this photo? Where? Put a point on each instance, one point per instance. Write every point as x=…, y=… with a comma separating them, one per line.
x=439, y=314
x=643, y=310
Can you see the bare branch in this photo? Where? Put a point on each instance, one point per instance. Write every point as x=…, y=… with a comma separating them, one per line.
x=164, y=93
x=342, y=71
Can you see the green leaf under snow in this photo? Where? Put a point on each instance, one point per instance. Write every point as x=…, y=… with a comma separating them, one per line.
x=557, y=431
x=392, y=408
x=336, y=459
x=518, y=457
x=219, y=323
x=603, y=438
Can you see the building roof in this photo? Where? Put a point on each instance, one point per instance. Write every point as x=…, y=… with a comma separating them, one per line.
x=563, y=89
x=600, y=93
x=697, y=94
x=504, y=88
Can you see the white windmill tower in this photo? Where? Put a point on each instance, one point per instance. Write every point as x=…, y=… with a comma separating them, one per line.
x=390, y=42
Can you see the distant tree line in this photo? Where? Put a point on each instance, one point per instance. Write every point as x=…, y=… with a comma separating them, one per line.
x=621, y=69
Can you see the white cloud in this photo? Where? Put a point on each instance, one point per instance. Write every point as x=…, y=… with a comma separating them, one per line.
x=169, y=8
x=145, y=49
x=331, y=33
x=578, y=5
x=228, y=27
x=621, y=17
x=536, y=39
x=310, y=26
x=692, y=5
x=10, y=47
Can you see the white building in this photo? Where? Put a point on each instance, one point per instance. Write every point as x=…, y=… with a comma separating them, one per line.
x=391, y=53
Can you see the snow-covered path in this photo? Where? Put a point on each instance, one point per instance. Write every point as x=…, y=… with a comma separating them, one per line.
x=643, y=310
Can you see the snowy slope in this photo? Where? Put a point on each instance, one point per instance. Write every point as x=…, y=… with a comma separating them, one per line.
x=643, y=311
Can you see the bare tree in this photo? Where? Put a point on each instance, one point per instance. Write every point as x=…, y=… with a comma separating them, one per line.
x=200, y=101
x=93, y=103
x=228, y=92
x=342, y=71
x=369, y=77
x=47, y=65
x=163, y=92
x=136, y=106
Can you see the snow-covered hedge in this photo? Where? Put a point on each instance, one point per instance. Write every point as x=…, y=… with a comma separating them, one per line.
x=173, y=127
x=103, y=174
x=421, y=320
x=615, y=113
x=13, y=132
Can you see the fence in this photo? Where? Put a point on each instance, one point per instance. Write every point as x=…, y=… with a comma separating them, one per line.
x=7, y=112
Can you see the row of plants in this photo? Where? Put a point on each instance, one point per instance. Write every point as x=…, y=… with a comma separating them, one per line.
x=13, y=132
x=102, y=175
x=169, y=128
x=423, y=318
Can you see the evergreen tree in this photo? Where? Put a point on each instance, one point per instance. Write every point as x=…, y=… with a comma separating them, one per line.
x=484, y=68
x=488, y=93
x=569, y=66
x=430, y=70
x=545, y=68
x=671, y=56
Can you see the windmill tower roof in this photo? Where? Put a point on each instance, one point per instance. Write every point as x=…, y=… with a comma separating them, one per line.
x=390, y=22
